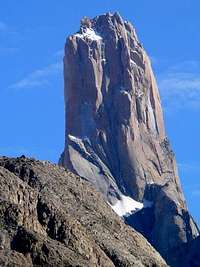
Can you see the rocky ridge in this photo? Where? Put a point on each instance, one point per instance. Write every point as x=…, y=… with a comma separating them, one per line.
x=115, y=136
x=51, y=217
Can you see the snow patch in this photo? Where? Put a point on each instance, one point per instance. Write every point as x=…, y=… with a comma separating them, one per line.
x=126, y=205
x=74, y=139
x=151, y=182
x=139, y=93
x=133, y=63
x=123, y=92
x=79, y=142
x=90, y=34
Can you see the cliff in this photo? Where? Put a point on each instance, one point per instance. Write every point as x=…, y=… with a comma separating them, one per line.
x=115, y=135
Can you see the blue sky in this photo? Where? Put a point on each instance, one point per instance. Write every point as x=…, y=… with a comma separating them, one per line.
x=32, y=36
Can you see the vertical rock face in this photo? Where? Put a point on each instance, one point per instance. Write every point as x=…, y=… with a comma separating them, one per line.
x=115, y=136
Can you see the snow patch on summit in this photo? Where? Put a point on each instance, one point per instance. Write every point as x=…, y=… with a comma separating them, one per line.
x=90, y=34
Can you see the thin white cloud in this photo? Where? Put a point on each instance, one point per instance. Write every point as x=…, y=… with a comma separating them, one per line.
x=38, y=78
x=187, y=66
x=189, y=167
x=3, y=26
x=180, y=86
x=196, y=192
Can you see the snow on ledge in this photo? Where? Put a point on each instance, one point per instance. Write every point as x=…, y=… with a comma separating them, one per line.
x=79, y=142
x=133, y=63
x=90, y=34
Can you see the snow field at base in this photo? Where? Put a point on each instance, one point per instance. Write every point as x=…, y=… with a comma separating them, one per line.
x=127, y=205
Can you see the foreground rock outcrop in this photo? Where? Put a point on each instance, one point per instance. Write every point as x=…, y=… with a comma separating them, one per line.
x=115, y=136
x=51, y=217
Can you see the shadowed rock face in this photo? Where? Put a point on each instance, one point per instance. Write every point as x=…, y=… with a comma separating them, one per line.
x=115, y=136
x=50, y=217
x=188, y=254
x=192, y=252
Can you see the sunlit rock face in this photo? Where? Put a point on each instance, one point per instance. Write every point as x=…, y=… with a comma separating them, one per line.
x=115, y=136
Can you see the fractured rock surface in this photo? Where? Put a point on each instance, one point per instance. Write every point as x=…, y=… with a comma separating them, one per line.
x=51, y=217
